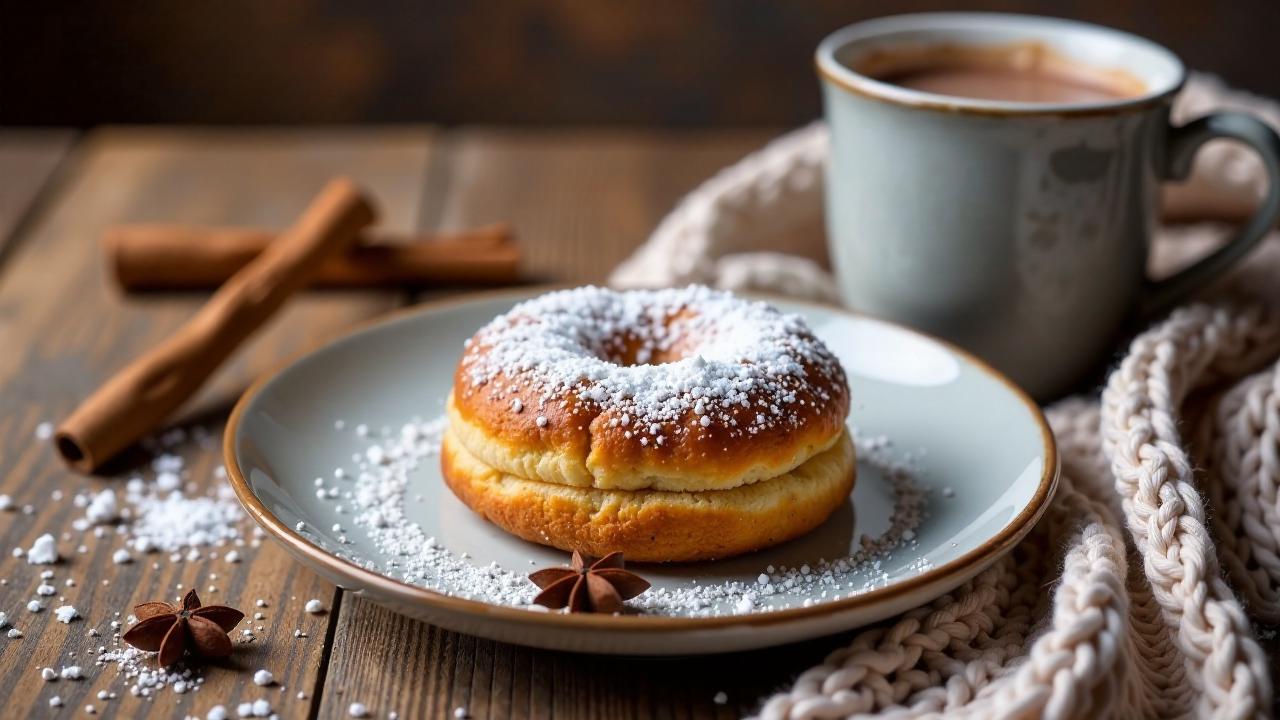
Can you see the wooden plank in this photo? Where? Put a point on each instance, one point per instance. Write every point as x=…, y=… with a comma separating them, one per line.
x=28, y=159
x=395, y=664
x=67, y=328
x=580, y=202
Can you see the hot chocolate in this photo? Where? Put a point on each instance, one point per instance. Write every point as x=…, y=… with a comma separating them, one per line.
x=1028, y=73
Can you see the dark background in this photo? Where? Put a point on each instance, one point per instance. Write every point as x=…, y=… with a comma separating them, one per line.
x=701, y=62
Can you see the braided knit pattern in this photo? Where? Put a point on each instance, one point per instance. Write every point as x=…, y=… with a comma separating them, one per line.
x=1162, y=507
x=1242, y=479
x=1134, y=595
x=1148, y=629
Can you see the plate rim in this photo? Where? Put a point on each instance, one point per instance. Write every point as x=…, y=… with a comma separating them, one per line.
x=988, y=550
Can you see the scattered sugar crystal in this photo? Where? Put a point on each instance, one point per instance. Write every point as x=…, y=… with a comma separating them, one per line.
x=263, y=677
x=55, y=702
x=314, y=606
x=71, y=672
x=541, y=421
x=744, y=351
x=46, y=590
x=121, y=557
x=14, y=633
x=168, y=481
x=720, y=698
x=4, y=619
x=44, y=430
x=217, y=712
x=948, y=492
x=460, y=712
x=379, y=506
x=49, y=674
x=244, y=710
x=66, y=614
x=261, y=708
x=173, y=521
x=34, y=606
x=44, y=551
x=516, y=405
x=103, y=508
x=6, y=502
x=357, y=710
x=232, y=556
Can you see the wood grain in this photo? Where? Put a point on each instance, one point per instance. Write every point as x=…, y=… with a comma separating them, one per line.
x=69, y=329
x=697, y=62
x=28, y=159
x=580, y=202
x=394, y=664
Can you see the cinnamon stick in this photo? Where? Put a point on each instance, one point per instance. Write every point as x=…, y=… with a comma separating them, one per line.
x=144, y=393
x=186, y=257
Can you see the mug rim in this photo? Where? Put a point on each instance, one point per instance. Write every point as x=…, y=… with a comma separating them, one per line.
x=832, y=70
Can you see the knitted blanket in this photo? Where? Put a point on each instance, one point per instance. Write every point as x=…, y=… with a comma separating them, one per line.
x=1142, y=591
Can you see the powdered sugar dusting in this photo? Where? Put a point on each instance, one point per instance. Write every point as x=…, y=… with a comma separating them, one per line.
x=650, y=358
x=383, y=505
x=171, y=521
x=160, y=509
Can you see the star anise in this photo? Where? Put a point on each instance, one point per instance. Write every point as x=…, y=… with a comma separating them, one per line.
x=172, y=630
x=600, y=586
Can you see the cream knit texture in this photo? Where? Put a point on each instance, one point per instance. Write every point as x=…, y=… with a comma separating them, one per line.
x=1141, y=592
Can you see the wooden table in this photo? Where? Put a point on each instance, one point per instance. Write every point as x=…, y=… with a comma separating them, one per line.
x=580, y=200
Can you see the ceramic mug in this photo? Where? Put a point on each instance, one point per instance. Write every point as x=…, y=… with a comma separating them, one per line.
x=1017, y=230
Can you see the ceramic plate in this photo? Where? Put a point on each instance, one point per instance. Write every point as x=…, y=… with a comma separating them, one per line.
x=955, y=466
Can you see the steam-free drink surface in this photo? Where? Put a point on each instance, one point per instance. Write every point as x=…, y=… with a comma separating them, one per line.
x=1033, y=86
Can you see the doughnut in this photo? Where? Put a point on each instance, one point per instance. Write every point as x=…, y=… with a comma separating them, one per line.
x=653, y=525
x=671, y=425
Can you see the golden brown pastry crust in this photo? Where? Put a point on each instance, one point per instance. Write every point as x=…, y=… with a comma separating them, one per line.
x=788, y=412
x=584, y=451
x=651, y=525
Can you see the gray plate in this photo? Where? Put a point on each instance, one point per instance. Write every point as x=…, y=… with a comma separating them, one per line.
x=974, y=441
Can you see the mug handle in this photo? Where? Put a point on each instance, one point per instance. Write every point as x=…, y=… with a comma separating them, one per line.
x=1180, y=149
